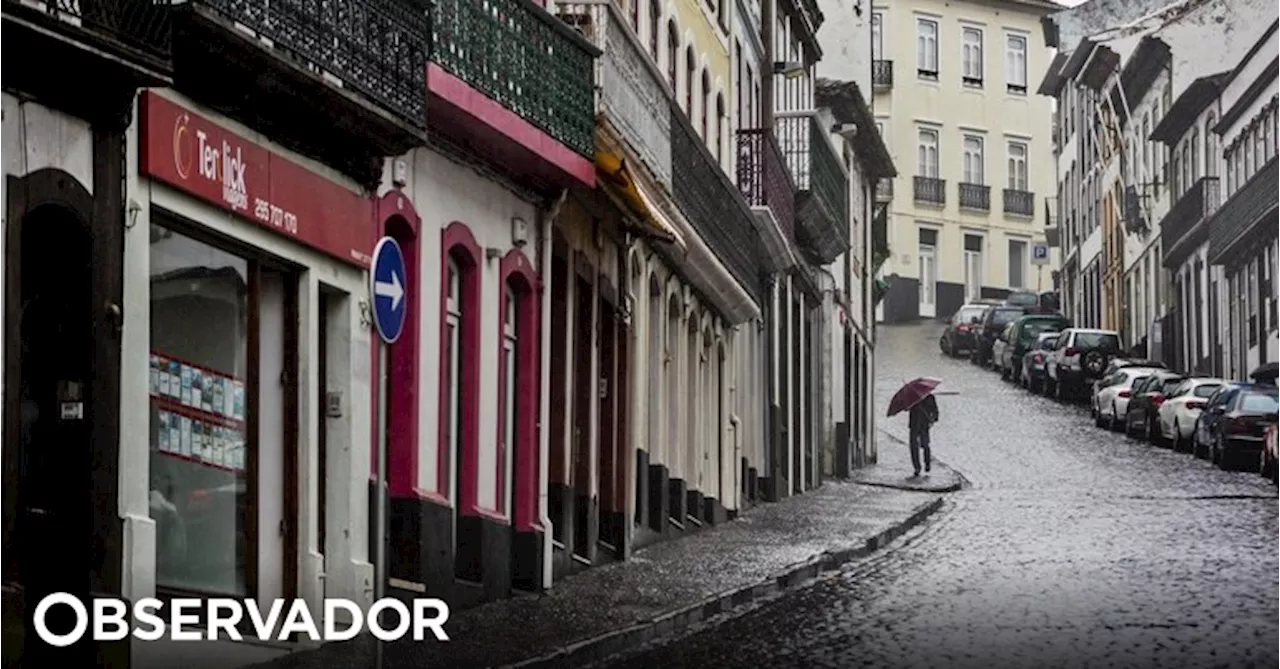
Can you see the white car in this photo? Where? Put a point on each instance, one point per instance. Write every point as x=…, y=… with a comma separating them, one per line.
x=1178, y=414
x=1113, y=398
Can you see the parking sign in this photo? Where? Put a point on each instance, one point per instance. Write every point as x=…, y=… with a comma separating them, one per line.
x=1039, y=253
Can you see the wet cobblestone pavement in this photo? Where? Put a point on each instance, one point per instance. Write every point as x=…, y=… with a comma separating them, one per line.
x=1072, y=548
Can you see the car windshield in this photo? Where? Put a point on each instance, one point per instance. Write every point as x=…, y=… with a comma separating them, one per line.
x=1170, y=385
x=1259, y=403
x=1048, y=343
x=1005, y=316
x=1135, y=381
x=967, y=314
x=1105, y=340
x=1206, y=389
x=1024, y=299
x=1032, y=328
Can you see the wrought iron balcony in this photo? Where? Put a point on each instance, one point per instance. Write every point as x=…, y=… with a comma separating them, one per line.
x=884, y=190
x=713, y=205
x=879, y=238
x=823, y=185
x=1182, y=230
x=139, y=31
x=1018, y=202
x=975, y=196
x=763, y=177
x=529, y=61
x=882, y=73
x=930, y=191
x=633, y=97
x=376, y=47
x=1249, y=209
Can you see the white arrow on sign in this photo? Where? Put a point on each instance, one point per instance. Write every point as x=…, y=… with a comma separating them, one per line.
x=393, y=290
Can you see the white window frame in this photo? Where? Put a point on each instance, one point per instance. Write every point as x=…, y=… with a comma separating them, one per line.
x=927, y=48
x=973, y=268
x=1019, y=262
x=1015, y=63
x=973, y=160
x=509, y=413
x=928, y=141
x=877, y=35
x=971, y=55
x=453, y=323
x=1019, y=176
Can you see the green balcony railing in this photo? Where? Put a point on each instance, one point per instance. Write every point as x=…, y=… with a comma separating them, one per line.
x=525, y=59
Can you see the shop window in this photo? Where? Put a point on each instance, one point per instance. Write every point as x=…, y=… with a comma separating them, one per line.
x=219, y=457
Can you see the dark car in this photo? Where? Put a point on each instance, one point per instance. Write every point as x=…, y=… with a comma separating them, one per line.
x=961, y=329
x=1145, y=400
x=993, y=323
x=1032, y=375
x=1235, y=427
x=1022, y=336
x=1024, y=299
x=1079, y=359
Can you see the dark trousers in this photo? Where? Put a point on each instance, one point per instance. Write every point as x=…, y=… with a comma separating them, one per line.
x=919, y=442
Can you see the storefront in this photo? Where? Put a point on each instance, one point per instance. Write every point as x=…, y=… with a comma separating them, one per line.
x=245, y=435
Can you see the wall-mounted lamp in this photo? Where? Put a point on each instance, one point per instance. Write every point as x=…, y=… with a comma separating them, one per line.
x=789, y=69
x=519, y=232
x=133, y=211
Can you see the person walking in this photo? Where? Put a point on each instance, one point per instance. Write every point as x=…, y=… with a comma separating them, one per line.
x=922, y=416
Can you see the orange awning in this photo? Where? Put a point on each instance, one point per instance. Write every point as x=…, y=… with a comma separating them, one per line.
x=643, y=205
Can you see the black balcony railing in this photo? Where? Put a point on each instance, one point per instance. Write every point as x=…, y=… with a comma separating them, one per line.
x=763, y=177
x=376, y=47
x=975, y=196
x=884, y=189
x=882, y=73
x=713, y=205
x=524, y=58
x=879, y=238
x=823, y=200
x=930, y=191
x=141, y=26
x=1241, y=215
x=1182, y=229
x=1018, y=202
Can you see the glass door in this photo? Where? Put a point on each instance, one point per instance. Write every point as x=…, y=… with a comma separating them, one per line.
x=928, y=281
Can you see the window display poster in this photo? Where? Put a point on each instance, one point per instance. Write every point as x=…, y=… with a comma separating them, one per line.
x=185, y=444
x=197, y=388
x=155, y=375
x=162, y=440
x=219, y=396
x=185, y=375
x=239, y=401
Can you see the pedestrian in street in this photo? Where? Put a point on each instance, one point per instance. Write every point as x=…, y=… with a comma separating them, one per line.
x=922, y=416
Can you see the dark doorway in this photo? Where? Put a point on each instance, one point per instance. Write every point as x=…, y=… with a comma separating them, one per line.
x=585, y=390
x=606, y=432
x=54, y=361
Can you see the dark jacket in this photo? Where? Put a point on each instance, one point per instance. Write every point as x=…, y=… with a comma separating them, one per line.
x=924, y=413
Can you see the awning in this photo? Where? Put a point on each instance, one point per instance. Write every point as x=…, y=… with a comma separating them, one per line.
x=643, y=205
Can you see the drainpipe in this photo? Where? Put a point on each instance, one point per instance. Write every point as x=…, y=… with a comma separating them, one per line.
x=548, y=217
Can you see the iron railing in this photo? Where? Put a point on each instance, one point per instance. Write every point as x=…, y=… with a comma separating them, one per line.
x=882, y=73
x=1019, y=202
x=975, y=196
x=1185, y=218
x=525, y=59
x=930, y=190
x=141, y=26
x=713, y=205
x=376, y=47
x=823, y=185
x=1245, y=209
x=763, y=177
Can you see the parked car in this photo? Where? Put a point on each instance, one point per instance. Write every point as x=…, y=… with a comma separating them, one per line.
x=1176, y=418
x=1032, y=374
x=1270, y=459
x=1202, y=433
x=1113, y=398
x=1081, y=356
x=1024, y=299
x=993, y=323
x=1235, y=437
x=962, y=328
x=998, y=348
x=1115, y=364
x=1021, y=336
x=1140, y=414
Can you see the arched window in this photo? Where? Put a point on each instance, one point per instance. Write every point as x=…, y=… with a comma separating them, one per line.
x=671, y=371
x=655, y=21
x=508, y=371
x=722, y=128
x=673, y=50
x=459, y=392
x=1210, y=147
x=1194, y=166
x=693, y=387
x=705, y=97
x=653, y=424
x=517, y=439
x=635, y=16
x=690, y=63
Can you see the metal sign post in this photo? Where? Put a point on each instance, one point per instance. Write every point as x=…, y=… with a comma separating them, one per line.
x=387, y=295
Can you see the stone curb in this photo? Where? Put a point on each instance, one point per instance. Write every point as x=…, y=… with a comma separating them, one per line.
x=954, y=487
x=611, y=643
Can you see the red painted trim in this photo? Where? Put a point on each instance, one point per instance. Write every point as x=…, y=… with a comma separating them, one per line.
x=491, y=113
x=431, y=496
x=490, y=514
x=397, y=218
x=517, y=272
x=457, y=240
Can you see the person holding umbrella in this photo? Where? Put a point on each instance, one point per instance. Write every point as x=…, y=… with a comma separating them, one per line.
x=916, y=397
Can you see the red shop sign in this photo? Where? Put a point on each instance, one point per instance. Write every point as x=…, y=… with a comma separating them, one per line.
x=199, y=157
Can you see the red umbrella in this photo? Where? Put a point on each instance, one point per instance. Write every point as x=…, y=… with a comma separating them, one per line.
x=911, y=393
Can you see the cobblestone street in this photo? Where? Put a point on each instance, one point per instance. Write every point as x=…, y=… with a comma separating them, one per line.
x=1072, y=548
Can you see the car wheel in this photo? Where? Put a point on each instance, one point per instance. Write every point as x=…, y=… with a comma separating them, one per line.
x=942, y=344
x=1216, y=454
x=1097, y=419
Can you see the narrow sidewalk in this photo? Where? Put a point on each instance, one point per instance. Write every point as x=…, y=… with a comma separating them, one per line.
x=663, y=588
x=894, y=470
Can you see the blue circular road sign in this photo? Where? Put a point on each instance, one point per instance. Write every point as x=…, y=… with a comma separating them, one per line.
x=387, y=289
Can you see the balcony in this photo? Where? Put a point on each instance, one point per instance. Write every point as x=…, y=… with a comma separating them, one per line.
x=765, y=183
x=879, y=238
x=1250, y=210
x=882, y=73
x=1182, y=230
x=714, y=207
x=536, y=118
x=1018, y=202
x=633, y=98
x=930, y=191
x=823, y=200
x=975, y=196
x=884, y=190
